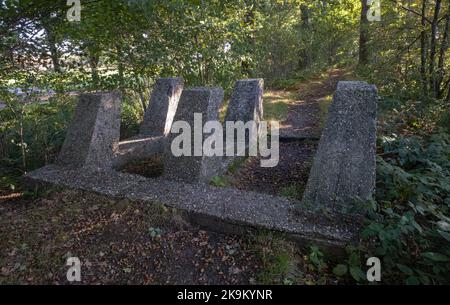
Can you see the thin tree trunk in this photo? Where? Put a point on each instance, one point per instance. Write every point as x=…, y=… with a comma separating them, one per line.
x=434, y=28
x=93, y=63
x=305, y=53
x=120, y=68
x=249, y=21
x=444, y=46
x=423, y=49
x=363, y=35
x=55, y=57
x=22, y=138
x=54, y=54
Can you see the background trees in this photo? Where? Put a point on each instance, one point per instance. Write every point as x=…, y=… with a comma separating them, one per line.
x=127, y=44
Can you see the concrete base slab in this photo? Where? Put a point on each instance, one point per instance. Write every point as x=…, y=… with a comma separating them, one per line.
x=220, y=209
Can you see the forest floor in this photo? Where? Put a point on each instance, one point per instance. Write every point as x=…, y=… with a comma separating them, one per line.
x=124, y=242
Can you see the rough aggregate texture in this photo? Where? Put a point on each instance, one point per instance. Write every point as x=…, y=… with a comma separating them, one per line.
x=94, y=131
x=343, y=171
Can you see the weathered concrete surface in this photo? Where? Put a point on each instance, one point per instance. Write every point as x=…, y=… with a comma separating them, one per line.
x=163, y=105
x=246, y=103
x=94, y=131
x=156, y=124
x=107, y=182
x=204, y=101
x=343, y=172
x=137, y=148
x=220, y=209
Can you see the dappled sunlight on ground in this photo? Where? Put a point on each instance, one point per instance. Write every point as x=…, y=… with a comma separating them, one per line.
x=276, y=104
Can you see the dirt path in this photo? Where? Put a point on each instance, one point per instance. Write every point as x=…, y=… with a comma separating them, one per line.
x=299, y=135
x=306, y=113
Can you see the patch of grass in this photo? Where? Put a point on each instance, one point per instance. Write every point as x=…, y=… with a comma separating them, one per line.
x=324, y=104
x=276, y=105
x=234, y=167
x=220, y=181
x=299, y=78
x=283, y=262
x=289, y=191
x=285, y=84
x=227, y=178
x=276, y=256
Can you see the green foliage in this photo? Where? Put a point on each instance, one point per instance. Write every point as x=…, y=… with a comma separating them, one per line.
x=31, y=134
x=444, y=120
x=396, y=50
x=297, y=38
x=7, y=180
x=340, y=270
x=353, y=266
x=220, y=181
x=317, y=258
x=131, y=117
x=409, y=226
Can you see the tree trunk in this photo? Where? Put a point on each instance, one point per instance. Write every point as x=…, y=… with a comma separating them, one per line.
x=423, y=49
x=305, y=52
x=249, y=21
x=444, y=46
x=120, y=68
x=363, y=35
x=54, y=54
x=434, y=27
x=93, y=63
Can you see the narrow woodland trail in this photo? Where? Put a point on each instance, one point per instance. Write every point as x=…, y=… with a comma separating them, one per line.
x=306, y=113
x=299, y=135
